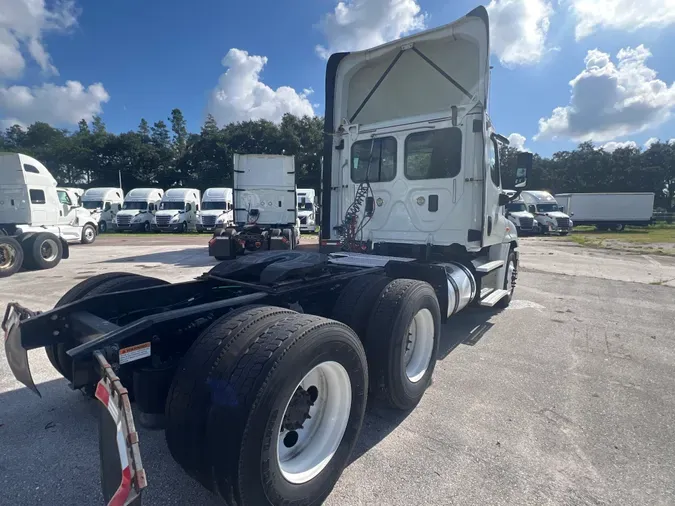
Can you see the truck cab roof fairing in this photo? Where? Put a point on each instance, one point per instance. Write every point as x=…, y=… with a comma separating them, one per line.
x=426, y=73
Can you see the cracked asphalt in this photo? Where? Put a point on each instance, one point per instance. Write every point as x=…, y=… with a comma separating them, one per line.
x=567, y=397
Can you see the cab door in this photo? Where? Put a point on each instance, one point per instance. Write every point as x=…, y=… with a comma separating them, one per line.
x=491, y=191
x=67, y=208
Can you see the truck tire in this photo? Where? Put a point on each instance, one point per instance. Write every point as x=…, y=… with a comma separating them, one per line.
x=88, y=234
x=509, y=280
x=356, y=301
x=102, y=226
x=287, y=412
x=146, y=227
x=96, y=285
x=11, y=256
x=189, y=398
x=42, y=250
x=183, y=227
x=402, y=342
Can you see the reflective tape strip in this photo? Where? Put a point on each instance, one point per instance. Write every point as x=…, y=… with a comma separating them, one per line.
x=104, y=395
x=122, y=494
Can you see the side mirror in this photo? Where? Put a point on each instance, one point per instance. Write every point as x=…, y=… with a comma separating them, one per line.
x=523, y=168
x=503, y=199
x=561, y=209
x=532, y=209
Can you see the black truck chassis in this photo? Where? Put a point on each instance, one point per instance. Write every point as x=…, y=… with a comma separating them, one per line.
x=160, y=323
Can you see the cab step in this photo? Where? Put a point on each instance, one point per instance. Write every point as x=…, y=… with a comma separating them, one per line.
x=489, y=266
x=493, y=297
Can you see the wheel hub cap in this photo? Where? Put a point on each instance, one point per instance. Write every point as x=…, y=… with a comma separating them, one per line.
x=419, y=346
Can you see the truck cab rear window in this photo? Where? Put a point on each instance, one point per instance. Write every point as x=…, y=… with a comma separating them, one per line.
x=434, y=154
x=374, y=160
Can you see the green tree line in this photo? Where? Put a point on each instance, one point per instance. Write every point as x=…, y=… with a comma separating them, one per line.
x=165, y=154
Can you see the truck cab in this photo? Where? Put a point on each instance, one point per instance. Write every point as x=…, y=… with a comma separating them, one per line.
x=217, y=209
x=307, y=209
x=31, y=201
x=516, y=211
x=138, y=210
x=178, y=210
x=547, y=212
x=103, y=204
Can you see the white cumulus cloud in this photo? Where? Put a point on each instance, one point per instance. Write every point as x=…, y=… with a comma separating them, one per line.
x=22, y=25
x=611, y=100
x=361, y=24
x=240, y=94
x=518, y=30
x=650, y=141
x=612, y=146
x=517, y=141
x=56, y=105
x=629, y=15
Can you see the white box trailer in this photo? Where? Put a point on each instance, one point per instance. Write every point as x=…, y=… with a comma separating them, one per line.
x=608, y=210
x=265, y=207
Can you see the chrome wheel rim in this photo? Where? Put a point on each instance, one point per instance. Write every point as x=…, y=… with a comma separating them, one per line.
x=88, y=233
x=314, y=422
x=7, y=256
x=419, y=346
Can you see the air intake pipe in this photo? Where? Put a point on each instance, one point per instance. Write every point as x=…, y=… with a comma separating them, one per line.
x=461, y=286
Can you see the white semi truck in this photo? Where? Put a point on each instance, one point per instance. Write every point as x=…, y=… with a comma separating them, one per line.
x=260, y=370
x=608, y=211
x=37, y=219
x=217, y=210
x=265, y=207
x=138, y=210
x=103, y=204
x=517, y=212
x=178, y=210
x=547, y=212
x=307, y=209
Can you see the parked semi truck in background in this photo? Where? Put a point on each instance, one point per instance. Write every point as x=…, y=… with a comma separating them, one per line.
x=608, y=211
x=307, y=209
x=103, y=204
x=138, y=210
x=547, y=212
x=265, y=207
x=37, y=220
x=178, y=210
x=217, y=210
x=260, y=370
x=517, y=212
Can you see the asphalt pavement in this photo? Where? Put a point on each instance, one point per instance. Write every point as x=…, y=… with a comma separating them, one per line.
x=567, y=397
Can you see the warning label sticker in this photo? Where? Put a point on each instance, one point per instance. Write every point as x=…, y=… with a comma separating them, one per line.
x=136, y=352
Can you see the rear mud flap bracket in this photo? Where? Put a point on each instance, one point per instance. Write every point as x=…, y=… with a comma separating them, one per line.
x=122, y=475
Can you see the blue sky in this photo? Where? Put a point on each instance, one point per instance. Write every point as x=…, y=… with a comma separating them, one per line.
x=152, y=56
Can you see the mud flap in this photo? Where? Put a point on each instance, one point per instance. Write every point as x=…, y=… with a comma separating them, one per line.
x=122, y=475
x=17, y=355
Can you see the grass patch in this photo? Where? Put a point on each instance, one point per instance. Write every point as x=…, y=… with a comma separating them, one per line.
x=654, y=239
